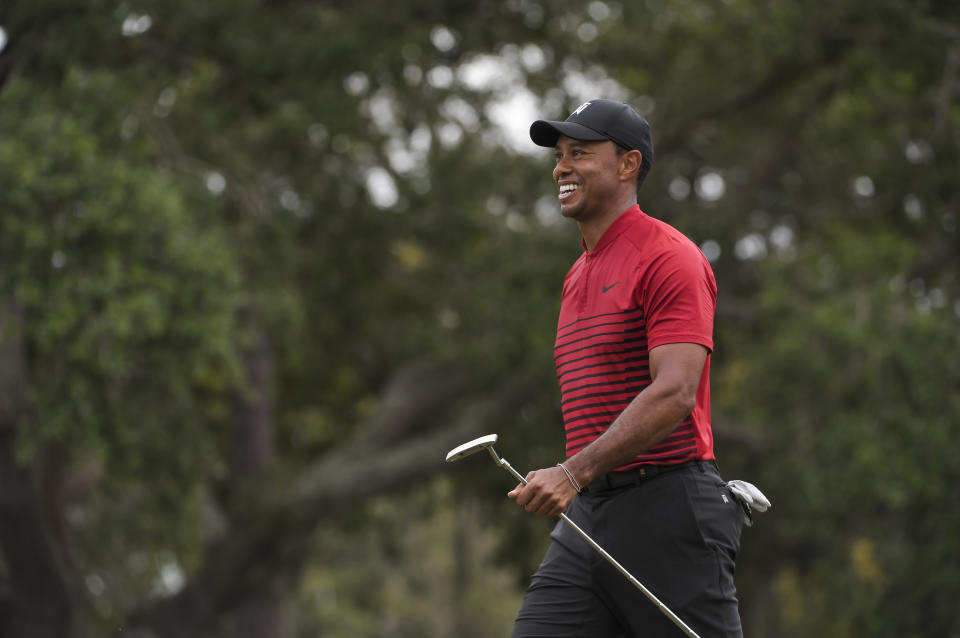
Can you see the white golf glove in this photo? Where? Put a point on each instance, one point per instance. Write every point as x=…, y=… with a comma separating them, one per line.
x=749, y=497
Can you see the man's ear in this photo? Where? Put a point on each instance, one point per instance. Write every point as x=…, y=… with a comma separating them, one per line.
x=630, y=165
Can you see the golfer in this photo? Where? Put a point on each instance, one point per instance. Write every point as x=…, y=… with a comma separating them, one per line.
x=632, y=353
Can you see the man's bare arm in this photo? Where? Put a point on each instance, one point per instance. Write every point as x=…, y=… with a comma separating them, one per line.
x=675, y=370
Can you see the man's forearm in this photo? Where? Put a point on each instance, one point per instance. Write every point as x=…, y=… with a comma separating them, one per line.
x=647, y=420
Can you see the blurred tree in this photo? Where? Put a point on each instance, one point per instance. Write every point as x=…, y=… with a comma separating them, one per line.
x=264, y=262
x=230, y=312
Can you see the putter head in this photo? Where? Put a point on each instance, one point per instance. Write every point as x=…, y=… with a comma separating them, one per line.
x=471, y=447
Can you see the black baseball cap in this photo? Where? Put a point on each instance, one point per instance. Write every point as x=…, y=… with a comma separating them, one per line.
x=599, y=120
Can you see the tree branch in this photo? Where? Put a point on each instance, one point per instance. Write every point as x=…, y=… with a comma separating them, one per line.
x=777, y=80
x=404, y=443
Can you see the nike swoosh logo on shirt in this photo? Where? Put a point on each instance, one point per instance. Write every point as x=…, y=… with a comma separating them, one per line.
x=606, y=288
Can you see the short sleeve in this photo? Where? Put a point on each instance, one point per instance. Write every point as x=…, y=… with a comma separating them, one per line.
x=679, y=296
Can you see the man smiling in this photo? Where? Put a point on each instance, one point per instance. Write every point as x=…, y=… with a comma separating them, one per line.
x=632, y=353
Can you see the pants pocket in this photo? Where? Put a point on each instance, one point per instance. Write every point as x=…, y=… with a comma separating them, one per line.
x=720, y=521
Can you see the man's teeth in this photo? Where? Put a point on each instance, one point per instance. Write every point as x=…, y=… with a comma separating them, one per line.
x=567, y=188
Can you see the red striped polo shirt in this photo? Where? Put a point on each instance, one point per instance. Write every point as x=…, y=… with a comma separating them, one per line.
x=643, y=285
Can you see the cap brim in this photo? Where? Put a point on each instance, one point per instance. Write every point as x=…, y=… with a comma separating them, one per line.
x=546, y=132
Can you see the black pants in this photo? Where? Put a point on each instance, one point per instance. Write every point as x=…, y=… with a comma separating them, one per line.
x=678, y=533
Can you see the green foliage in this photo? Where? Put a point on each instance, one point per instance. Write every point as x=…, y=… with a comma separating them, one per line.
x=124, y=299
x=127, y=306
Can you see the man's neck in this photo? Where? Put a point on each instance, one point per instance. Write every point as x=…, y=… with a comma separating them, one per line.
x=593, y=229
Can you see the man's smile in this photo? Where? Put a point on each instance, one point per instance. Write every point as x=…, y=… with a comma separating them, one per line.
x=567, y=191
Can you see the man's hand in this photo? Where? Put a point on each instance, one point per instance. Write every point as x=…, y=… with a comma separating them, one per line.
x=548, y=492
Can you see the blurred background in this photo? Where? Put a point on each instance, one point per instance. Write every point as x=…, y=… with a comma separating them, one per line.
x=263, y=262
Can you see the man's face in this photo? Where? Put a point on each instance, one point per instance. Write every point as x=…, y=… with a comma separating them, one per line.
x=587, y=175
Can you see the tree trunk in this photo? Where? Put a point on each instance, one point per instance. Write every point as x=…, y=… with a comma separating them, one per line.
x=35, y=587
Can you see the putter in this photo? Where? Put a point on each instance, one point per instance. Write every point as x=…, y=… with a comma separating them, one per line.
x=486, y=443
